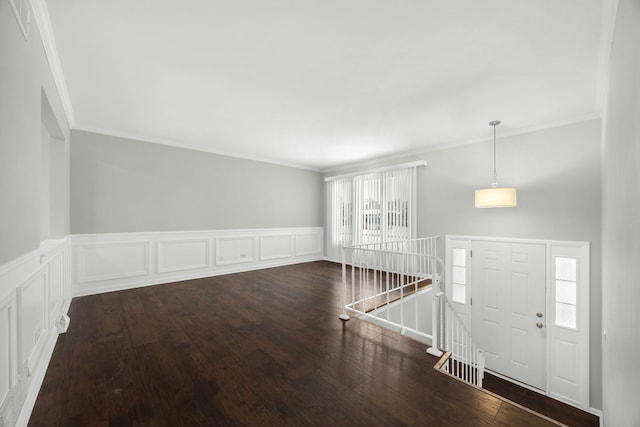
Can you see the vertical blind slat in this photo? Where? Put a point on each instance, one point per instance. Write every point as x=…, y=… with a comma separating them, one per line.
x=370, y=208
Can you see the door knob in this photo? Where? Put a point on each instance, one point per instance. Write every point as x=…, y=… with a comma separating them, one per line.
x=539, y=325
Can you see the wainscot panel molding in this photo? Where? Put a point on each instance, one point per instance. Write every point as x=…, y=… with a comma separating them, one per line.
x=98, y=262
x=308, y=243
x=235, y=249
x=118, y=261
x=276, y=246
x=183, y=254
x=35, y=293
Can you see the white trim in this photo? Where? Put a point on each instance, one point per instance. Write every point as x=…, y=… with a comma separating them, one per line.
x=598, y=413
x=608, y=21
x=246, y=255
x=41, y=14
x=24, y=26
x=264, y=256
x=517, y=240
x=80, y=260
x=579, y=336
x=17, y=271
x=514, y=381
x=32, y=355
x=299, y=251
x=239, y=258
x=10, y=375
x=579, y=250
x=382, y=169
x=152, y=280
x=162, y=246
x=115, y=237
x=439, y=146
x=29, y=361
x=37, y=376
x=463, y=309
x=186, y=146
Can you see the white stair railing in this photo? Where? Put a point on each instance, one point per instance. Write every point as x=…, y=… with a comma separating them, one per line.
x=465, y=360
x=386, y=283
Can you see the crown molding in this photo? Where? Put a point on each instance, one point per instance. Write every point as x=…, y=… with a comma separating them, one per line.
x=139, y=137
x=419, y=152
x=609, y=14
x=41, y=15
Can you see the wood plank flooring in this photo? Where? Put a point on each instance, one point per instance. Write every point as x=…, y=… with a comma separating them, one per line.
x=262, y=348
x=555, y=409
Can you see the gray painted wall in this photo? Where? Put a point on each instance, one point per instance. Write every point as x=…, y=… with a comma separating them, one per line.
x=621, y=224
x=24, y=77
x=124, y=185
x=557, y=174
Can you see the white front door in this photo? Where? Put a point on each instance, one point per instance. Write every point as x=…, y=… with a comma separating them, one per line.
x=508, y=308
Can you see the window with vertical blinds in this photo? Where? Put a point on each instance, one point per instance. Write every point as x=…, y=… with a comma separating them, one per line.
x=376, y=206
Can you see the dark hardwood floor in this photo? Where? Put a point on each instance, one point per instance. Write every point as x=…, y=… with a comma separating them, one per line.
x=555, y=409
x=262, y=348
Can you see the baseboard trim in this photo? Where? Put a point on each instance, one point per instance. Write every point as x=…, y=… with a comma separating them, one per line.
x=114, y=262
x=598, y=413
x=125, y=285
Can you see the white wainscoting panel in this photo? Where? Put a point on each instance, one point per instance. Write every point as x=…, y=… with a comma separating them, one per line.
x=183, y=254
x=110, y=262
x=34, y=294
x=36, y=289
x=276, y=246
x=308, y=244
x=32, y=315
x=235, y=249
x=8, y=349
x=56, y=288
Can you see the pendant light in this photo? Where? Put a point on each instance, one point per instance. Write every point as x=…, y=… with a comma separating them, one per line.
x=496, y=197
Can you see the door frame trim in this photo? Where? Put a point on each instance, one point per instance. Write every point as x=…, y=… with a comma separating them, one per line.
x=583, y=251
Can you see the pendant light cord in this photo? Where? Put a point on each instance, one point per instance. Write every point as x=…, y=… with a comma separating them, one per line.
x=494, y=184
x=495, y=174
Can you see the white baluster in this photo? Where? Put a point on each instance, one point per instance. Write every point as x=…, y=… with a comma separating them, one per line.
x=344, y=315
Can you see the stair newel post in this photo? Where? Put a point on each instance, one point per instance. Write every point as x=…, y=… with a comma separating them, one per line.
x=435, y=311
x=344, y=315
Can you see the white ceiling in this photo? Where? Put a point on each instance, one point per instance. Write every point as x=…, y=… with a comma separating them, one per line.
x=324, y=84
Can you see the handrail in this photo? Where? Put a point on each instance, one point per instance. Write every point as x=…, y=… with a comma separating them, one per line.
x=386, y=280
x=378, y=277
x=466, y=361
